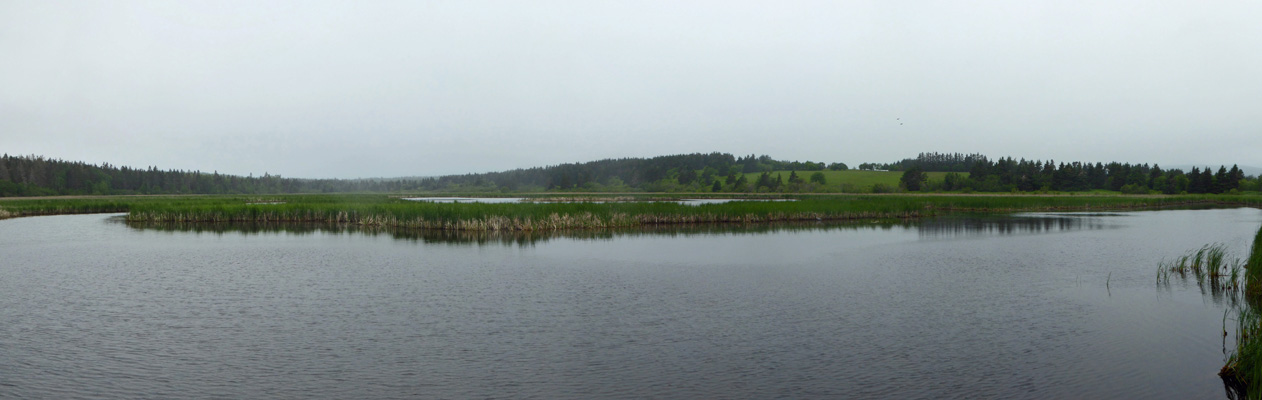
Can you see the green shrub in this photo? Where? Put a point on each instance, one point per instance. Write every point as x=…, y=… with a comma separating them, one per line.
x=1134, y=189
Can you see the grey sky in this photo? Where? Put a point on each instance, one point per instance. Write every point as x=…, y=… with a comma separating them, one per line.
x=360, y=89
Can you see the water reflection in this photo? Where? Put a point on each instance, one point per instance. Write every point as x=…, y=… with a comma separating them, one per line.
x=508, y=237
x=1022, y=224
x=865, y=310
x=936, y=228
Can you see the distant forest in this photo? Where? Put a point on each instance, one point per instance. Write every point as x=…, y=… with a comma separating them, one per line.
x=1008, y=174
x=713, y=172
x=684, y=172
x=39, y=176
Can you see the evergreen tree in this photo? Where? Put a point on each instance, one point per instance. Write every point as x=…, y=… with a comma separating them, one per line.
x=1233, y=178
x=764, y=181
x=741, y=184
x=1221, y=180
x=793, y=178
x=1206, y=181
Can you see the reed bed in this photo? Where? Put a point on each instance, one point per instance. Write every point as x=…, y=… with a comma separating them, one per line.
x=540, y=214
x=381, y=211
x=526, y=216
x=1243, y=372
x=1241, y=282
x=25, y=208
x=1210, y=267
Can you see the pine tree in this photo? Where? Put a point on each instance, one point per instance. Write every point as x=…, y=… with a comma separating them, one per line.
x=1220, y=180
x=794, y=178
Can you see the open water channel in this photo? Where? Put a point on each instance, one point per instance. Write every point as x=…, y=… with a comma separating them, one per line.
x=1028, y=306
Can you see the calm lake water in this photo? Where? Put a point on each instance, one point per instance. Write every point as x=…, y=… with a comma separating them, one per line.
x=1034, y=306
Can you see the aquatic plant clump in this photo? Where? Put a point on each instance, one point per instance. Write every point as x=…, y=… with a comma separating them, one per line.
x=1210, y=267
x=1241, y=282
x=1243, y=372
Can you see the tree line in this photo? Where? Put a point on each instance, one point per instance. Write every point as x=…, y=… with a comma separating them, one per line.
x=937, y=162
x=1008, y=174
x=682, y=172
x=697, y=172
x=39, y=176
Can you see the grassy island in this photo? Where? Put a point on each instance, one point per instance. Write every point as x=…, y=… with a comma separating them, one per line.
x=582, y=212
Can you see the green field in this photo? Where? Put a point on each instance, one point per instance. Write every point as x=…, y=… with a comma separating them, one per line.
x=852, y=181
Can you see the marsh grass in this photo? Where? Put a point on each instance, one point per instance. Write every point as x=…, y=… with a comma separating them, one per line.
x=525, y=216
x=1212, y=270
x=1243, y=371
x=541, y=214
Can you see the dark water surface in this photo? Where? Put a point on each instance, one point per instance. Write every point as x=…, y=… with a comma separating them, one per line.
x=953, y=308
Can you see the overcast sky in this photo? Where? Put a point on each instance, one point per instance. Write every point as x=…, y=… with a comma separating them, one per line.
x=368, y=89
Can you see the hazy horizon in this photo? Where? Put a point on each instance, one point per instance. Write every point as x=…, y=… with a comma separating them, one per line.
x=388, y=89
